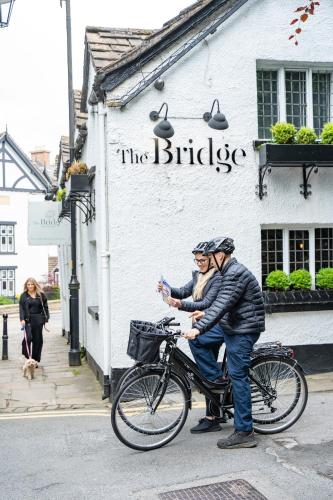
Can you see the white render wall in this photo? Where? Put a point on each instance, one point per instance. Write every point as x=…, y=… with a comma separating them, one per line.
x=158, y=212
x=31, y=261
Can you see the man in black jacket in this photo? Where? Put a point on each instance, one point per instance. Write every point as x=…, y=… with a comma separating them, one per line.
x=239, y=310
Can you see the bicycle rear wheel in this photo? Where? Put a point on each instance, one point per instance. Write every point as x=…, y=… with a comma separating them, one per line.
x=149, y=410
x=279, y=393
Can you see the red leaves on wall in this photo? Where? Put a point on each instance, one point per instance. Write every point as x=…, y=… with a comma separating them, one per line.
x=308, y=9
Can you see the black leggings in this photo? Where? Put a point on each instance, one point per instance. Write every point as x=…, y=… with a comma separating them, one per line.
x=34, y=335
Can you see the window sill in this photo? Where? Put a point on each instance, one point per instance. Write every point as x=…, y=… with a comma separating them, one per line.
x=294, y=301
x=8, y=253
x=94, y=312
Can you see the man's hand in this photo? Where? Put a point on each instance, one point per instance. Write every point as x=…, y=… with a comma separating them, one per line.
x=174, y=302
x=196, y=315
x=191, y=334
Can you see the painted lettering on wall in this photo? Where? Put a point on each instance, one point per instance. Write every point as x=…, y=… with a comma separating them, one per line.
x=223, y=157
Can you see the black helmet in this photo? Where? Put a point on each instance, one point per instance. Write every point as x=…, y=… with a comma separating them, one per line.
x=222, y=244
x=200, y=247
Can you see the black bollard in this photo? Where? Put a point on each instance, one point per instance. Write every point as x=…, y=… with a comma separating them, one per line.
x=5, y=337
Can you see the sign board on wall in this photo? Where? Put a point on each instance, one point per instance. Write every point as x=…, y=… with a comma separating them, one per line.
x=43, y=225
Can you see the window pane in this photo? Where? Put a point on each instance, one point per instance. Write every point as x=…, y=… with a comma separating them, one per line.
x=296, y=97
x=266, y=102
x=323, y=248
x=298, y=250
x=321, y=89
x=273, y=259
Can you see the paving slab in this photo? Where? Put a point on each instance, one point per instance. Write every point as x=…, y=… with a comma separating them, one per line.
x=55, y=386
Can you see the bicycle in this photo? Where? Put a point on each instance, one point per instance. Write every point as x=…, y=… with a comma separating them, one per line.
x=154, y=396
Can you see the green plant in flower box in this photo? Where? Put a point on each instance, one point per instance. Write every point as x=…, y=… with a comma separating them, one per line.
x=324, y=278
x=278, y=280
x=306, y=135
x=300, y=279
x=283, y=133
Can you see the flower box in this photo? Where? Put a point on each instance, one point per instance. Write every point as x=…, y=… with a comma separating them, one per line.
x=298, y=300
x=289, y=155
x=78, y=183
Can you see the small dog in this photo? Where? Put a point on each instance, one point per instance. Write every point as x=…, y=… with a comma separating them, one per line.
x=29, y=368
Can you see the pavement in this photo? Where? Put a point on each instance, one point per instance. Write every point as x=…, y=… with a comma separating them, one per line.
x=56, y=386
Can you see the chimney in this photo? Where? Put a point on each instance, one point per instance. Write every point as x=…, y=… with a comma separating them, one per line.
x=41, y=155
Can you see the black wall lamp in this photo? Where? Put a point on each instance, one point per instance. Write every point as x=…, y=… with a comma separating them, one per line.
x=163, y=129
x=218, y=120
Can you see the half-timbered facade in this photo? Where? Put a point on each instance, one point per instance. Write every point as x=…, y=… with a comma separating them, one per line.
x=20, y=181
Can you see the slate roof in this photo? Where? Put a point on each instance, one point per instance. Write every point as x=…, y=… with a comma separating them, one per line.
x=156, y=35
x=108, y=45
x=115, y=66
x=79, y=117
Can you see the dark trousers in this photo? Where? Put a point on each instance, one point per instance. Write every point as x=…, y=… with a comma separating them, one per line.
x=34, y=332
x=205, y=350
x=239, y=348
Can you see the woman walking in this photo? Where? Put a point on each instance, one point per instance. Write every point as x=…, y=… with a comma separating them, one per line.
x=34, y=313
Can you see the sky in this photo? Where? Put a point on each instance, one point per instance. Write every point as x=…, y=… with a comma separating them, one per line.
x=33, y=69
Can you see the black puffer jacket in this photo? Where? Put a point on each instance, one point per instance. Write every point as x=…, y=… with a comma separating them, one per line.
x=209, y=293
x=239, y=306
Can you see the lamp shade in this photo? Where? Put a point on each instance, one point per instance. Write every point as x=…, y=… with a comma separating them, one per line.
x=164, y=129
x=218, y=122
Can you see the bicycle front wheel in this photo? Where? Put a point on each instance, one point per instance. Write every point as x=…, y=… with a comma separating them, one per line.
x=279, y=393
x=149, y=410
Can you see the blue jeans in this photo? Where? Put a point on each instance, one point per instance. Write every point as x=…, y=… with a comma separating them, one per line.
x=205, y=349
x=239, y=348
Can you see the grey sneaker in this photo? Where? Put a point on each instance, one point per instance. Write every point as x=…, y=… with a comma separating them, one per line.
x=206, y=425
x=238, y=440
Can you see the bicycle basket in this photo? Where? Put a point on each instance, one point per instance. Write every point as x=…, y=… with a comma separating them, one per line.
x=144, y=341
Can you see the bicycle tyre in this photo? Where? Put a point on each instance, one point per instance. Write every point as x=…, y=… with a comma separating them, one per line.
x=284, y=378
x=131, y=401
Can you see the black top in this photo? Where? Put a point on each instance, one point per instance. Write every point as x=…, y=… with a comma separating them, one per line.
x=239, y=306
x=30, y=305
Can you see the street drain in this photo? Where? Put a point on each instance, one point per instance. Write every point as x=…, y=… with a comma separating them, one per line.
x=237, y=489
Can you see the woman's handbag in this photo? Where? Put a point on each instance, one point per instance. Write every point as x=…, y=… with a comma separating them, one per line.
x=43, y=315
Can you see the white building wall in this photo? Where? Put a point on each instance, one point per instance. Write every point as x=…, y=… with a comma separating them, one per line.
x=31, y=261
x=157, y=212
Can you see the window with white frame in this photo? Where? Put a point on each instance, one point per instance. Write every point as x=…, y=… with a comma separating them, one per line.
x=7, y=241
x=7, y=282
x=289, y=249
x=302, y=97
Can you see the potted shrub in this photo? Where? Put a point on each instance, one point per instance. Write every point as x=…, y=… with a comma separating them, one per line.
x=324, y=283
x=77, y=177
x=301, y=281
x=306, y=135
x=327, y=134
x=294, y=149
x=61, y=193
x=277, y=281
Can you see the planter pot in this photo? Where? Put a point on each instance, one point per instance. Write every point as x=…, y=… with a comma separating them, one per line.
x=289, y=155
x=298, y=300
x=78, y=184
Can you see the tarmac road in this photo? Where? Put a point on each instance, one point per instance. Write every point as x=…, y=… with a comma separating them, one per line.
x=78, y=457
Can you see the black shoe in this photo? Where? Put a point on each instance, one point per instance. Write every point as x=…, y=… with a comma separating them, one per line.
x=238, y=440
x=221, y=380
x=206, y=425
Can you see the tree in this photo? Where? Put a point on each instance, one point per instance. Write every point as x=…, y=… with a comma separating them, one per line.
x=304, y=14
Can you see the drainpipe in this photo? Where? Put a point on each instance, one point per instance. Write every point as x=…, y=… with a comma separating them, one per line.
x=105, y=318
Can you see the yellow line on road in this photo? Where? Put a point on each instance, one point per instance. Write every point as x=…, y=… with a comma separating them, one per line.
x=52, y=414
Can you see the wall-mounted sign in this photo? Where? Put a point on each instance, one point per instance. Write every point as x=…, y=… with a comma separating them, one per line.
x=223, y=157
x=43, y=225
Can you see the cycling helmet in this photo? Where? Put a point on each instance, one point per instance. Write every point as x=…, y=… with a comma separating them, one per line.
x=222, y=244
x=200, y=247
